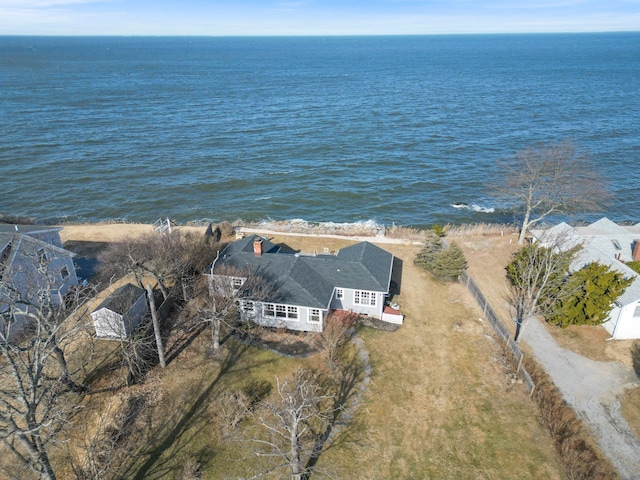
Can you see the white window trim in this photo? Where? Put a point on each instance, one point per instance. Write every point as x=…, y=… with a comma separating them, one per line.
x=339, y=293
x=315, y=312
x=360, y=295
x=289, y=312
x=248, y=306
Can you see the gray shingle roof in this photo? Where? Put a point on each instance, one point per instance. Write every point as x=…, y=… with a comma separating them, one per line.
x=28, y=229
x=310, y=280
x=122, y=298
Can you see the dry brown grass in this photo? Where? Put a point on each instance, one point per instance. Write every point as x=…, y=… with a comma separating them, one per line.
x=592, y=342
x=438, y=406
x=581, y=457
x=479, y=230
x=407, y=233
x=630, y=407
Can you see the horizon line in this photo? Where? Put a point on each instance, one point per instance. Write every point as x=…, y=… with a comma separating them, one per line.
x=299, y=35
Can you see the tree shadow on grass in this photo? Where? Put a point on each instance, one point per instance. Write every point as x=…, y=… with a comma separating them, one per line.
x=176, y=433
x=347, y=398
x=181, y=342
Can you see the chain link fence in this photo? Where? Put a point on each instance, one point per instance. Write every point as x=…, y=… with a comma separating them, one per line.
x=499, y=328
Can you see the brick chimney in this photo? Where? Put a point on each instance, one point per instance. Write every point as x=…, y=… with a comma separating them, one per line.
x=257, y=247
x=636, y=251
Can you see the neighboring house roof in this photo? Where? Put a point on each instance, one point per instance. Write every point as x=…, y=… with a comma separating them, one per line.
x=50, y=235
x=12, y=249
x=121, y=299
x=28, y=229
x=307, y=280
x=605, y=242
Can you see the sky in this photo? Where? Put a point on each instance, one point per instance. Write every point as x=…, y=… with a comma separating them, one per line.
x=314, y=17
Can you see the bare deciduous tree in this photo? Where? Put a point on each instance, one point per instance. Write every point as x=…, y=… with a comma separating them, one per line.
x=137, y=354
x=547, y=179
x=291, y=423
x=156, y=326
x=34, y=373
x=336, y=333
x=537, y=273
x=167, y=258
x=219, y=306
x=98, y=448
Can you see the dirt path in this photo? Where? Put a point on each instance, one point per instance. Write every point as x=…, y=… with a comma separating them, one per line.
x=592, y=388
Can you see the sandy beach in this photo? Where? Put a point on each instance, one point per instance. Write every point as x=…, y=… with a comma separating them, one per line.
x=111, y=232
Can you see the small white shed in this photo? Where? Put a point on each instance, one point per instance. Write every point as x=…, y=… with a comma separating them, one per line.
x=120, y=313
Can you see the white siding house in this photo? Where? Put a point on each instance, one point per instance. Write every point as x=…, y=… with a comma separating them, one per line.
x=120, y=313
x=305, y=288
x=613, y=245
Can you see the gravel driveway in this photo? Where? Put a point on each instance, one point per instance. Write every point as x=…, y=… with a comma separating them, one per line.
x=592, y=388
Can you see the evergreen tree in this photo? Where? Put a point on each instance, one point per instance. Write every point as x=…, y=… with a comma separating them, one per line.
x=536, y=274
x=542, y=270
x=442, y=263
x=426, y=257
x=449, y=263
x=587, y=296
x=635, y=266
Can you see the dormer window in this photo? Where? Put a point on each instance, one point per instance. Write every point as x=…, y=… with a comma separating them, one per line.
x=616, y=244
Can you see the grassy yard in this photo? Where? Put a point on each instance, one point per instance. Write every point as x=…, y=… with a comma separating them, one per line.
x=439, y=404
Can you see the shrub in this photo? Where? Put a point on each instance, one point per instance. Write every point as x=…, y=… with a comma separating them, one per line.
x=439, y=230
x=226, y=228
x=443, y=263
x=586, y=298
x=449, y=263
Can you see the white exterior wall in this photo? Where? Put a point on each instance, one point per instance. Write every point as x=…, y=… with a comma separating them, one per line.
x=347, y=303
x=623, y=323
x=301, y=324
x=108, y=323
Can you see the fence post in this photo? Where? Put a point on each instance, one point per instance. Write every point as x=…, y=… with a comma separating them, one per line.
x=498, y=327
x=520, y=361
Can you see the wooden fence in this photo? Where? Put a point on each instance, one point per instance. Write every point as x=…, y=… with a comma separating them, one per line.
x=499, y=329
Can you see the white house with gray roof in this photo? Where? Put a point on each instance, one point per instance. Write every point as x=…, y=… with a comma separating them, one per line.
x=34, y=269
x=613, y=245
x=305, y=288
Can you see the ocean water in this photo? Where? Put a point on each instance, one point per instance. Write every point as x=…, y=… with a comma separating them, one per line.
x=343, y=129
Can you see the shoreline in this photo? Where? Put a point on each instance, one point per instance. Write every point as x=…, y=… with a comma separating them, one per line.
x=114, y=232
x=357, y=232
